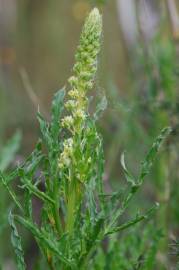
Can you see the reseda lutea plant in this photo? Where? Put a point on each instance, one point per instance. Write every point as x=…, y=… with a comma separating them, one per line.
x=76, y=213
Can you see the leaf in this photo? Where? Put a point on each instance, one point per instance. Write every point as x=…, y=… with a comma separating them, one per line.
x=16, y=243
x=44, y=128
x=9, y=150
x=128, y=175
x=101, y=107
x=57, y=107
x=146, y=165
x=50, y=132
x=91, y=238
x=133, y=221
x=11, y=192
x=43, y=238
x=28, y=204
x=29, y=165
x=30, y=168
x=148, y=161
x=90, y=199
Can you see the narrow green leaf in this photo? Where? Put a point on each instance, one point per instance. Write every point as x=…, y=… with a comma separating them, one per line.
x=90, y=199
x=29, y=165
x=43, y=238
x=16, y=243
x=57, y=107
x=132, y=222
x=44, y=127
x=148, y=161
x=130, y=178
x=91, y=239
x=33, y=189
x=10, y=191
x=28, y=204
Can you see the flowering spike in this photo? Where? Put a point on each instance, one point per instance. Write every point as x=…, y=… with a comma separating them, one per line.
x=88, y=49
x=83, y=77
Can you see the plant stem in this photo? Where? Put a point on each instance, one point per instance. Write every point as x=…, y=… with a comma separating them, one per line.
x=56, y=208
x=71, y=207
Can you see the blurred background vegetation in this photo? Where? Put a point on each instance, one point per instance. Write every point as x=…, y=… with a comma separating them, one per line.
x=138, y=73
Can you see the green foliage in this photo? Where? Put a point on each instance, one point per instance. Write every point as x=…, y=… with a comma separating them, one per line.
x=7, y=154
x=150, y=105
x=65, y=172
x=135, y=249
x=16, y=243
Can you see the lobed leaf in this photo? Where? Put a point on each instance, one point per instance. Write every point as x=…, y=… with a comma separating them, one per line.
x=150, y=157
x=43, y=238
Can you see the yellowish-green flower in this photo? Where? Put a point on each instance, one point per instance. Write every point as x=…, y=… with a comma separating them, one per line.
x=83, y=77
x=67, y=121
x=66, y=156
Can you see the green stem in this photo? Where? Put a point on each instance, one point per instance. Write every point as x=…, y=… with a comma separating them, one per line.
x=71, y=207
x=56, y=208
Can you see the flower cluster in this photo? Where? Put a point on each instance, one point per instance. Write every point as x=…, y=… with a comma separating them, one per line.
x=82, y=80
x=65, y=158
